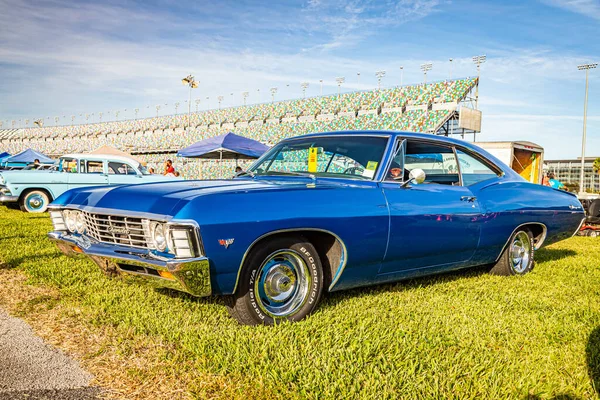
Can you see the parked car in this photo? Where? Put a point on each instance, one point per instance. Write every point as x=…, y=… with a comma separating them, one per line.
x=316, y=213
x=33, y=190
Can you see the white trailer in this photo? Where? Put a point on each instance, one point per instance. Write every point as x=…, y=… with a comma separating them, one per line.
x=526, y=158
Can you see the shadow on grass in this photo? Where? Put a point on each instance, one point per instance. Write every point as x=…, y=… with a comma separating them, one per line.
x=553, y=254
x=562, y=396
x=15, y=262
x=175, y=294
x=592, y=356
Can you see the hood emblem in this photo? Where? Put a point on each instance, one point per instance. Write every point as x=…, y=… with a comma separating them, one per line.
x=225, y=242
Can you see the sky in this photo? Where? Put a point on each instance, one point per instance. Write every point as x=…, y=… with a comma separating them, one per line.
x=64, y=58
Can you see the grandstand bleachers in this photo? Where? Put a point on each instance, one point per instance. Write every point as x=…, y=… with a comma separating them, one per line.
x=398, y=108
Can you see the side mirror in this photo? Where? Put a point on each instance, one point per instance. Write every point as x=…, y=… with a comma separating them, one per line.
x=416, y=176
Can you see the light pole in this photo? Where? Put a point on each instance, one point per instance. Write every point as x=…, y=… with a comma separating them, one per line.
x=193, y=84
x=157, y=109
x=273, y=91
x=379, y=75
x=450, y=68
x=100, y=116
x=38, y=122
x=197, y=101
x=426, y=67
x=478, y=60
x=176, y=107
x=339, y=82
x=401, y=74
x=245, y=96
x=321, y=82
x=586, y=68
x=56, y=121
x=358, y=78
x=137, y=110
x=220, y=98
x=304, y=86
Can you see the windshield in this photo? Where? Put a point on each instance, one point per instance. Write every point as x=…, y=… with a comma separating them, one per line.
x=356, y=157
x=143, y=169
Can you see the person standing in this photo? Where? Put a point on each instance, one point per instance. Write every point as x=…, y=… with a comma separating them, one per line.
x=555, y=183
x=169, y=169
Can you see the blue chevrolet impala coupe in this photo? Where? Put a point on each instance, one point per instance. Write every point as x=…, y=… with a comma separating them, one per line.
x=316, y=213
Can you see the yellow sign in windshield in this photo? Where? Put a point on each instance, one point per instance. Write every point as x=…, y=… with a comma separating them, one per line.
x=312, y=159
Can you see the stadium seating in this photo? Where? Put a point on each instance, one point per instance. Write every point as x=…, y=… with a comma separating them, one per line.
x=398, y=108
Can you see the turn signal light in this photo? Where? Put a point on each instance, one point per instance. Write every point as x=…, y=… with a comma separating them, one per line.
x=166, y=275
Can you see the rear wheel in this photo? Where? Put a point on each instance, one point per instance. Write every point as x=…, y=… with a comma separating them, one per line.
x=280, y=280
x=34, y=201
x=517, y=258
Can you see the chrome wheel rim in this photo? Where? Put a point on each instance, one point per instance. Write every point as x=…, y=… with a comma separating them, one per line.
x=520, y=252
x=282, y=284
x=35, y=202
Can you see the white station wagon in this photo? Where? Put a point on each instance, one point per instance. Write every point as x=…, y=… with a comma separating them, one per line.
x=33, y=190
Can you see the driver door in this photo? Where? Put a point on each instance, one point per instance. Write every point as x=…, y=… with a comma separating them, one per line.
x=436, y=223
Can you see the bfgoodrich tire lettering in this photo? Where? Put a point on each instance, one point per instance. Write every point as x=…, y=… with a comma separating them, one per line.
x=281, y=279
x=518, y=256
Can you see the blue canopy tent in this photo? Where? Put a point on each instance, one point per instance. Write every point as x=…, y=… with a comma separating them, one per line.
x=225, y=147
x=25, y=158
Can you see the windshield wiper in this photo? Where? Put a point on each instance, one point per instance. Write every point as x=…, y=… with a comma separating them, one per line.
x=297, y=173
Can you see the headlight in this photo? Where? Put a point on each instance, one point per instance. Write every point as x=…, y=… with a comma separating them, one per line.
x=74, y=221
x=79, y=222
x=158, y=233
x=70, y=217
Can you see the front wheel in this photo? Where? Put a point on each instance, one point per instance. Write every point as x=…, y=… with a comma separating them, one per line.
x=35, y=201
x=517, y=258
x=280, y=280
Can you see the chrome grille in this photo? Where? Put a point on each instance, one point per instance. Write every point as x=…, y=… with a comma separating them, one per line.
x=125, y=231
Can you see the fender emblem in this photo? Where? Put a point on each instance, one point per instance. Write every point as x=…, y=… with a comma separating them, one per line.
x=226, y=242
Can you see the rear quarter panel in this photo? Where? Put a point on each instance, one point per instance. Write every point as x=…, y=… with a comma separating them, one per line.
x=506, y=204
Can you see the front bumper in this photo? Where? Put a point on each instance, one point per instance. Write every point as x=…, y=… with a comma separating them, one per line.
x=187, y=275
x=8, y=199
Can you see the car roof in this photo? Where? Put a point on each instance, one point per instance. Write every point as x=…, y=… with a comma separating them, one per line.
x=414, y=135
x=109, y=157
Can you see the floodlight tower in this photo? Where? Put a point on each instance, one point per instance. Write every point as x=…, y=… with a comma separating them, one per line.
x=321, y=82
x=379, y=75
x=358, y=78
x=478, y=60
x=401, y=74
x=451, y=59
x=193, y=84
x=157, y=109
x=220, y=99
x=586, y=68
x=339, y=81
x=100, y=116
x=245, y=96
x=137, y=110
x=176, y=106
x=197, y=101
x=304, y=86
x=38, y=122
x=425, y=68
x=273, y=91
x=56, y=121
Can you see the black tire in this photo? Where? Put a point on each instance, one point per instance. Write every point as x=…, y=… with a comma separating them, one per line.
x=289, y=262
x=34, y=201
x=519, y=247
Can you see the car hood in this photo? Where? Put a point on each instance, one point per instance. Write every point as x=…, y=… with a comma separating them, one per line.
x=166, y=198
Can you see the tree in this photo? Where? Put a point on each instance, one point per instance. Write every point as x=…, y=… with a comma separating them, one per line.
x=596, y=166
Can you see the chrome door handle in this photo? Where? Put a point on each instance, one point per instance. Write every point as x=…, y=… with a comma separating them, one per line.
x=470, y=199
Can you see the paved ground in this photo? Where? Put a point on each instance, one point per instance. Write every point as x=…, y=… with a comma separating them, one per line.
x=31, y=369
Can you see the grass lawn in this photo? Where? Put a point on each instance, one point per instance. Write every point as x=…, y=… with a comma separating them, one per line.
x=461, y=335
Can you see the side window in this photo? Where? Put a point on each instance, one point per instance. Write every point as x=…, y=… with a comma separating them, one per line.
x=438, y=162
x=68, y=165
x=117, y=168
x=93, y=167
x=472, y=169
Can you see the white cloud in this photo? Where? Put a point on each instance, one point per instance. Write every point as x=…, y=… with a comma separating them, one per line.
x=589, y=8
